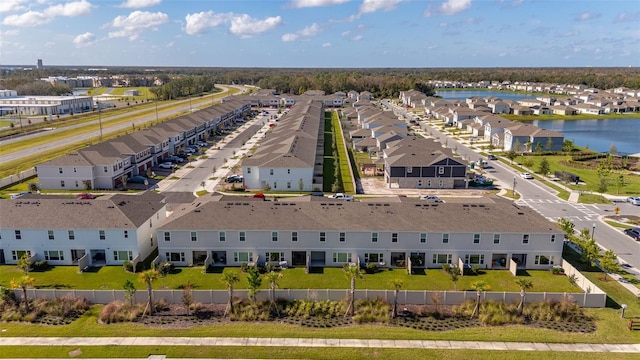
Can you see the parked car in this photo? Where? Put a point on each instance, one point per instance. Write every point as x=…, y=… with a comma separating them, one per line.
x=431, y=198
x=167, y=165
x=526, y=176
x=85, y=196
x=492, y=157
x=235, y=178
x=175, y=159
x=317, y=193
x=633, y=232
x=20, y=194
x=191, y=150
x=633, y=200
x=259, y=196
x=341, y=196
x=203, y=144
x=138, y=179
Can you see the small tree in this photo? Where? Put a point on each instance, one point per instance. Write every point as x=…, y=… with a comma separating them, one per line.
x=479, y=287
x=23, y=283
x=549, y=144
x=273, y=277
x=33, y=187
x=538, y=147
x=396, y=284
x=454, y=273
x=619, y=183
x=511, y=155
x=543, y=167
x=148, y=277
x=353, y=273
x=229, y=279
x=86, y=184
x=609, y=263
x=253, y=282
x=566, y=226
x=24, y=264
x=524, y=284
x=129, y=292
x=187, y=297
x=300, y=184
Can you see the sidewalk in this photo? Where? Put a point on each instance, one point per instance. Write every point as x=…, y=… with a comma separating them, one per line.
x=317, y=342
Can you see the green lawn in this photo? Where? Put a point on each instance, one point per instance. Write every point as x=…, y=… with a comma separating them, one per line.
x=113, y=277
x=343, y=157
x=4, y=123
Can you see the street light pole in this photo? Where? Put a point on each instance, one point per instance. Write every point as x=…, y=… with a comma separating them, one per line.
x=99, y=119
x=514, y=186
x=593, y=229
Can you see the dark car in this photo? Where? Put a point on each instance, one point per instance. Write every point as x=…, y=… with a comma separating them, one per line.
x=137, y=179
x=633, y=232
x=317, y=193
x=492, y=157
x=234, y=179
x=85, y=196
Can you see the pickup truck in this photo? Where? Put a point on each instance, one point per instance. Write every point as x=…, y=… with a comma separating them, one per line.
x=341, y=196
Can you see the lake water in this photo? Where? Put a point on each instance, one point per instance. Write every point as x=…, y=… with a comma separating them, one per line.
x=597, y=134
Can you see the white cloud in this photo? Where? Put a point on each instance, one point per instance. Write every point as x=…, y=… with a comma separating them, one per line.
x=315, y=3
x=357, y=38
x=369, y=6
x=624, y=17
x=135, y=23
x=307, y=32
x=199, y=22
x=11, y=6
x=327, y=44
x=245, y=26
x=84, y=40
x=30, y=18
x=136, y=4
x=452, y=7
x=12, y=32
x=587, y=16
x=36, y=18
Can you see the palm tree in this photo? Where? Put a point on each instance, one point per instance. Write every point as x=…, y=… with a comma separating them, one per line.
x=397, y=285
x=229, y=279
x=479, y=287
x=352, y=272
x=148, y=277
x=23, y=283
x=524, y=285
x=272, y=278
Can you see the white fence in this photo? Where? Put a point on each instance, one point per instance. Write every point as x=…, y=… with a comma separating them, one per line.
x=408, y=297
x=13, y=179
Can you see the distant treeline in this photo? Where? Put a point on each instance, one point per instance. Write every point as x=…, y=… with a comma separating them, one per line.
x=380, y=82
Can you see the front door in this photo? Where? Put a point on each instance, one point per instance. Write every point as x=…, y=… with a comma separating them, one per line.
x=76, y=254
x=298, y=258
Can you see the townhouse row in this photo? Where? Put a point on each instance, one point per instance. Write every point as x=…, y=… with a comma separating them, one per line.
x=305, y=232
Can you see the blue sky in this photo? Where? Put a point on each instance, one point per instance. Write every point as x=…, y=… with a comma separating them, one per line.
x=321, y=33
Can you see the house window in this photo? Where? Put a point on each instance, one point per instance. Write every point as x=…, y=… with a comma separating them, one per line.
x=270, y=171
x=60, y=170
x=553, y=238
x=323, y=236
x=274, y=256
x=248, y=170
x=105, y=169
x=423, y=238
x=440, y=170
x=476, y=238
x=102, y=235
x=341, y=257
x=394, y=237
x=72, y=235
x=474, y=259
x=77, y=183
x=194, y=236
x=243, y=236
x=175, y=256
x=18, y=254
x=54, y=255
x=50, y=234
x=294, y=236
x=342, y=236
x=122, y=255
x=441, y=183
x=428, y=183
x=496, y=238
x=419, y=183
x=61, y=183
x=288, y=171
x=222, y=236
x=275, y=184
x=126, y=234
x=525, y=239
x=274, y=236
x=445, y=238
x=373, y=258
x=242, y=256
x=167, y=236
x=288, y=184
x=374, y=237
x=442, y=258
x=543, y=260
x=75, y=170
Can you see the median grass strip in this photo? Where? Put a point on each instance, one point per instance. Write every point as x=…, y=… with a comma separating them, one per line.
x=343, y=157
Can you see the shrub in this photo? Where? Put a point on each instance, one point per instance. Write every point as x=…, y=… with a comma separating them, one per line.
x=371, y=268
x=475, y=269
x=40, y=265
x=372, y=311
x=244, y=267
x=128, y=266
x=120, y=312
x=557, y=270
x=446, y=267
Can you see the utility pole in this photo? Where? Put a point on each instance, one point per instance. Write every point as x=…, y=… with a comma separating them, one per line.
x=99, y=119
x=514, y=186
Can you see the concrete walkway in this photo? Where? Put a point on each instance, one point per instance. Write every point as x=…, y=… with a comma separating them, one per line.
x=316, y=342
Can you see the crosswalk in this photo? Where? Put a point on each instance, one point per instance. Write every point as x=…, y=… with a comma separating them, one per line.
x=588, y=211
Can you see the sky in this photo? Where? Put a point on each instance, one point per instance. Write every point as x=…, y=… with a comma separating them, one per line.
x=321, y=33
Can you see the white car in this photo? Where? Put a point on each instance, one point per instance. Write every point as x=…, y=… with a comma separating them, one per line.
x=431, y=198
x=633, y=200
x=167, y=165
x=341, y=196
x=526, y=176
